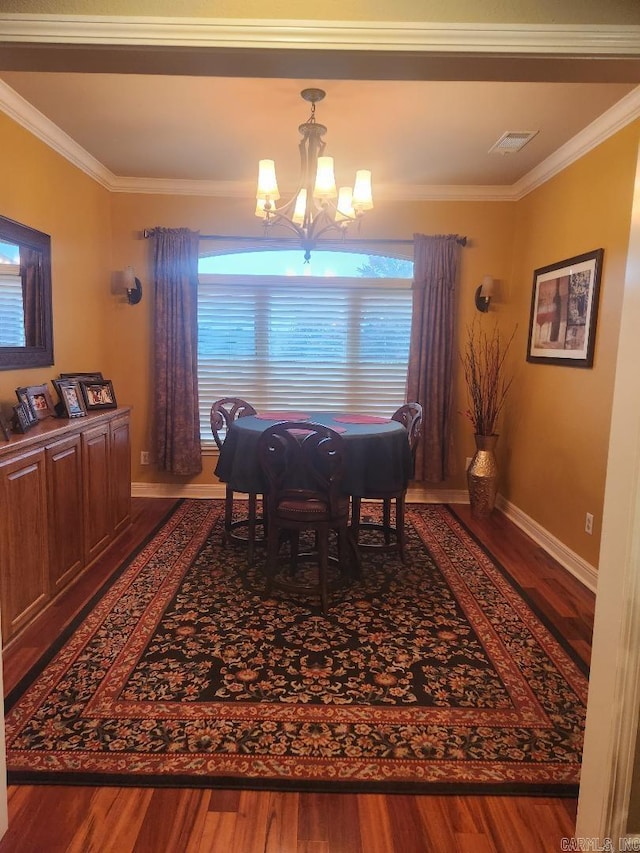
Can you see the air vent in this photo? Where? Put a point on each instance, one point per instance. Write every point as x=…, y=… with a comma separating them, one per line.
x=512, y=141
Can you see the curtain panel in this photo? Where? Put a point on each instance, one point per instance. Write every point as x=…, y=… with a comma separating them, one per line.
x=177, y=426
x=431, y=353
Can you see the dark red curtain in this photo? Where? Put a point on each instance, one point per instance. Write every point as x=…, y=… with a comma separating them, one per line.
x=431, y=354
x=177, y=421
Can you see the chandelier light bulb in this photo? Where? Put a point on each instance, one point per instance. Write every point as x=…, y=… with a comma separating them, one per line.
x=267, y=183
x=300, y=208
x=325, y=180
x=345, y=205
x=362, y=197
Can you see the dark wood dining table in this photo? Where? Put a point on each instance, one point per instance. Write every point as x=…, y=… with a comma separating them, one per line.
x=377, y=455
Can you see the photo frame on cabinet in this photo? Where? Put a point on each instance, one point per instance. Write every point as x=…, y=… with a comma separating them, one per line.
x=98, y=394
x=23, y=398
x=71, y=398
x=95, y=376
x=40, y=401
x=21, y=418
x=564, y=311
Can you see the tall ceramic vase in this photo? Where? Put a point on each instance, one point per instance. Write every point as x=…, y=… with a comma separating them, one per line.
x=482, y=476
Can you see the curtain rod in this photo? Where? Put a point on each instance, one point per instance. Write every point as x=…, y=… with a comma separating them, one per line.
x=148, y=232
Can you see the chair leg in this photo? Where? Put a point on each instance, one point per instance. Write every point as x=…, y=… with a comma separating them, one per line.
x=294, y=540
x=323, y=553
x=251, y=528
x=228, y=514
x=400, y=527
x=272, y=557
x=348, y=553
x=386, y=519
x=355, y=518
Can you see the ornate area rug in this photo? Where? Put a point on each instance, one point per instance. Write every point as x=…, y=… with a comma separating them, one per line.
x=435, y=676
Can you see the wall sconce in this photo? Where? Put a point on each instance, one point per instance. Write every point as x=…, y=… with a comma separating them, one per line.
x=484, y=293
x=133, y=285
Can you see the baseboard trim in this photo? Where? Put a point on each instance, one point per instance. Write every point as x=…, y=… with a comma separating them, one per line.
x=175, y=490
x=568, y=559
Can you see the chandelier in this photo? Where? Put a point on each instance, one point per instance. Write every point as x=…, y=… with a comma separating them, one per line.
x=312, y=211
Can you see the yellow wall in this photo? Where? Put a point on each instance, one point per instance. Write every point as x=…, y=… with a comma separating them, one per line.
x=553, y=443
x=555, y=437
x=44, y=191
x=489, y=227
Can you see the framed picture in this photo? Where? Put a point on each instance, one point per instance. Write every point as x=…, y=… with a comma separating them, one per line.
x=40, y=400
x=92, y=376
x=98, y=394
x=23, y=397
x=70, y=394
x=21, y=418
x=564, y=310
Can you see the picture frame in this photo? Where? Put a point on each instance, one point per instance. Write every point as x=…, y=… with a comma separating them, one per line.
x=71, y=398
x=40, y=401
x=564, y=311
x=23, y=397
x=22, y=420
x=93, y=376
x=98, y=394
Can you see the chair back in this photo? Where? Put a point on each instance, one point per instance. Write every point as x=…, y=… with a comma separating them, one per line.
x=224, y=412
x=302, y=462
x=410, y=416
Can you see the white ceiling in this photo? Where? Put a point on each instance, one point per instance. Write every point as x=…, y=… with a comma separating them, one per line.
x=409, y=133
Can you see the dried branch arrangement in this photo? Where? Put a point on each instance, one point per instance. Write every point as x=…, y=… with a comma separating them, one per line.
x=483, y=361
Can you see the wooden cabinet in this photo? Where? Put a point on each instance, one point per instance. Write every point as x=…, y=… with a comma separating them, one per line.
x=97, y=509
x=65, y=492
x=64, y=488
x=24, y=586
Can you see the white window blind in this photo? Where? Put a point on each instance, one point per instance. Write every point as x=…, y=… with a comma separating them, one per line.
x=11, y=310
x=308, y=344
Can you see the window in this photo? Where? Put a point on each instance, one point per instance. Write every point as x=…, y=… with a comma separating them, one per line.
x=305, y=342
x=11, y=312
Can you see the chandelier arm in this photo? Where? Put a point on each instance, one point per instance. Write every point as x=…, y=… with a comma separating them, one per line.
x=318, y=228
x=278, y=219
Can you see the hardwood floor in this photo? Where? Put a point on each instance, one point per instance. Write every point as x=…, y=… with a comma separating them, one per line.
x=53, y=819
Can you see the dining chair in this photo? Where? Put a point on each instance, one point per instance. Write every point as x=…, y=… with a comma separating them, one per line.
x=223, y=413
x=393, y=534
x=303, y=464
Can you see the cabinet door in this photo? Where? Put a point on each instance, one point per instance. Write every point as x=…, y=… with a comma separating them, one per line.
x=66, y=523
x=120, y=473
x=24, y=551
x=97, y=507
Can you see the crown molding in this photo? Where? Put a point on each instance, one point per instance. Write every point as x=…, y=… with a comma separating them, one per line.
x=610, y=122
x=25, y=114
x=238, y=189
x=518, y=39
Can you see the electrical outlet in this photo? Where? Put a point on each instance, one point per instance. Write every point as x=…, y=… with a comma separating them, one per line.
x=588, y=524
x=144, y=457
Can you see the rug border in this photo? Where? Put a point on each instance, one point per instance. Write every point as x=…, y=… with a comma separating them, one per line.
x=520, y=789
